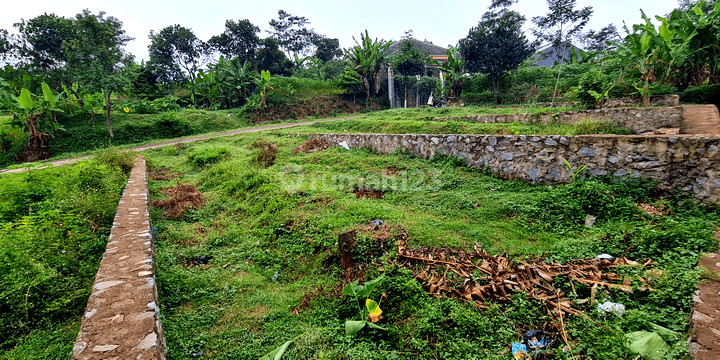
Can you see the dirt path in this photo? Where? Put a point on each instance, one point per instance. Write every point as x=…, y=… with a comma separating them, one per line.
x=700, y=119
x=706, y=316
x=184, y=140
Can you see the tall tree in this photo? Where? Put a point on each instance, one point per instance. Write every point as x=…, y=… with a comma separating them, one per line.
x=327, y=49
x=239, y=41
x=179, y=52
x=597, y=40
x=560, y=26
x=42, y=38
x=410, y=60
x=95, y=56
x=291, y=34
x=270, y=58
x=497, y=45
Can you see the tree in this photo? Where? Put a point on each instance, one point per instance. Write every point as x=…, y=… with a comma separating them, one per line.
x=291, y=34
x=560, y=26
x=368, y=57
x=179, y=52
x=327, y=49
x=410, y=60
x=95, y=57
x=41, y=46
x=598, y=41
x=497, y=45
x=269, y=57
x=686, y=5
x=240, y=40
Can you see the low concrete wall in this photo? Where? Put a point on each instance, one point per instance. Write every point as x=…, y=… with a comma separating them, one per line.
x=122, y=320
x=690, y=163
x=639, y=120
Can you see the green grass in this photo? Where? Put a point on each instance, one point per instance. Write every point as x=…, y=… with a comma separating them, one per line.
x=54, y=225
x=285, y=220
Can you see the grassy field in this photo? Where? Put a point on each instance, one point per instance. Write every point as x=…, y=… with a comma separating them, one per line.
x=272, y=230
x=54, y=225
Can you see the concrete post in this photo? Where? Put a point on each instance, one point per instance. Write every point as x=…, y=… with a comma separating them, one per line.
x=391, y=87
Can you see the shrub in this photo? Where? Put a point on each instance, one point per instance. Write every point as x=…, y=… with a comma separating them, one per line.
x=592, y=81
x=12, y=140
x=114, y=157
x=703, y=94
x=265, y=153
x=207, y=155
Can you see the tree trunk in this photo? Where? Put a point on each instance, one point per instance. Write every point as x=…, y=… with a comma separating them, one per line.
x=552, y=103
x=108, y=108
x=646, y=96
x=192, y=90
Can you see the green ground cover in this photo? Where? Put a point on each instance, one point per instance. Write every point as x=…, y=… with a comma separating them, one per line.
x=272, y=230
x=54, y=225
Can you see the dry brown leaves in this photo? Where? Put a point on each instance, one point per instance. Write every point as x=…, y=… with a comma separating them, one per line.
x=650, y=209
x=163, y=173
x=311, y=145
x=182, y=197
x=479, y=277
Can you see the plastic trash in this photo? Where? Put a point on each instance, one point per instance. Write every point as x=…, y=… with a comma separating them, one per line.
x=611, y=308
x=276, y=276
x=197, y=354
x=519, y=350
x=202, y=260
x=589, y=220
x=345, y=145
x=649, y=345
x=605, y=257
x=538, y=339
x=377, y=222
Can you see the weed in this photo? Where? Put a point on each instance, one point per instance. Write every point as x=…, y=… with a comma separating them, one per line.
x=265, y=153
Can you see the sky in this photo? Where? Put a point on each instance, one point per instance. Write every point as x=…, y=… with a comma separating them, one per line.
x=442, y=23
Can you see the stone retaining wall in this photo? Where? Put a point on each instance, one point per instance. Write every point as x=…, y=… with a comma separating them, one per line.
x=639, y=120
x=122, y=320
x=662, y=100
x=690, y=163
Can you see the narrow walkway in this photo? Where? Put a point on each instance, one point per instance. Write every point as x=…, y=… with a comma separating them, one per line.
x=122, y=318
x=185, y=140
x=701, y=120
x=706, y=315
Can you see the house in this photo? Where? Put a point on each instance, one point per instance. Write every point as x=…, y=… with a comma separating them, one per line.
x=436, y=53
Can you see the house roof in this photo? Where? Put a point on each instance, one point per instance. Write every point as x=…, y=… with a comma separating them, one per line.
x=547, y=56
x=431, y=49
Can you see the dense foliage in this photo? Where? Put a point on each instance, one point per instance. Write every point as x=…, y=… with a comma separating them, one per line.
x=54, y=225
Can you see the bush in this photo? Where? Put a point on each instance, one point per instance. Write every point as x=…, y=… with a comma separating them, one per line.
x=484, y=98
x=12, y=140
x=703, y=94
x=592, y=81
x=114, y=157
x=204, y=156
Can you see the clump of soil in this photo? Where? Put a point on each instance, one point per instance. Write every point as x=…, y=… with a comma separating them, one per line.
x=319, y=105
x=182, y=197
x=265, y=153
x=369, y=193
x=163, y=173
x=312, y=146
x=650, y=209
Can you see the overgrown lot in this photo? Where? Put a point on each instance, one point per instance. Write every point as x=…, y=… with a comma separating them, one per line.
x=270, y=220
x=54, y=225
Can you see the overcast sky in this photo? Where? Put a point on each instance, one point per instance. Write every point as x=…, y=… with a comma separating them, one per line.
x=442, y=23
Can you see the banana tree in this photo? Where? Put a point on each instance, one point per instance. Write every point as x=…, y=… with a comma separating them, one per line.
x=28, y=113
x=455, y=69
x=368, y=57
x=264, y=83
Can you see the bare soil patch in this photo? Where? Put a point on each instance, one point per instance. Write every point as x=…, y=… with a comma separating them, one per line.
x=182, y=197
x=163, y=173
x=369, y=193
x=319, y=106
x=311, y=146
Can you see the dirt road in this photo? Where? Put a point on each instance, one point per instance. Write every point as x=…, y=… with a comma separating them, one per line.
x=184, y=140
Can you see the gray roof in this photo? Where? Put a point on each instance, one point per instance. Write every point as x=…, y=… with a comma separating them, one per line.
x=431, y=49
x=547, y=56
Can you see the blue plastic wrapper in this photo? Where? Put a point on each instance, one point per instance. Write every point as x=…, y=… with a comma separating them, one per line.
x=538, y=339
x=519, y=351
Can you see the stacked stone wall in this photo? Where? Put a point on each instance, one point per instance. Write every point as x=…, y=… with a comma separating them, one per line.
x=638, y=120
x=690, y=163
